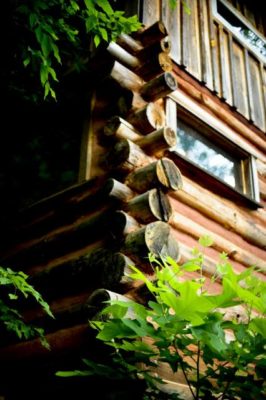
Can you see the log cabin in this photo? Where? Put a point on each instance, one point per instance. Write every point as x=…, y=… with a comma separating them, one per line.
x=172, y=148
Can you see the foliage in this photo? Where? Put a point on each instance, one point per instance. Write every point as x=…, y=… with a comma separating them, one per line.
x=220, y=353
x=16, y=286
x=56, y=34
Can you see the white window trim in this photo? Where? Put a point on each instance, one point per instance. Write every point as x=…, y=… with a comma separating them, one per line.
x=237, y=35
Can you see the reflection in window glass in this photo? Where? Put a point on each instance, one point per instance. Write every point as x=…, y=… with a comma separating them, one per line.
x=203, y=153
x=238, y=26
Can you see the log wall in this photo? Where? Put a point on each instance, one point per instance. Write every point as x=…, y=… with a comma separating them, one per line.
x=134, y=198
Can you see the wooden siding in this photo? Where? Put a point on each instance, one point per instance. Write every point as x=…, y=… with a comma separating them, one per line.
x=214, y=55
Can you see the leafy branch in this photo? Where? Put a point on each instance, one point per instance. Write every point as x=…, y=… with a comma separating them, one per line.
x=17, y=286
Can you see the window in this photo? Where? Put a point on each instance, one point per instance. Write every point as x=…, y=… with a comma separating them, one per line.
x=240, y=27
x=208, y=157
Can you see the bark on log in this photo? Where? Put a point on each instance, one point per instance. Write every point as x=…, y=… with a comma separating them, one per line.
x=148, y=118
x=129, y=44
x=163, y=45
x=159, y=141
x=155, y=238
x=121, y=224
x=153, y=33
x=155, y=65
x=159, y=87
x=117, y=128
x=162, y=174
x=125, y=157
x=150, y=206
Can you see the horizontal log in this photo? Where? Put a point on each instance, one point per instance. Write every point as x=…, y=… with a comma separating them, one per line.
x=123, y=56
x=129, y=44
x=101, y=267
x=261, y=167
x=220, y=243
x=227, y=215
x=155, y=238
x=151, y=34
x=159, y=87
x=162, y=174
x=151, y=206
x=121, y=224
x=61, y=342
x=157, y=142
x=262, y=186
x=126, y=78
x=117, y=128
x=125, y=157
x=100, y=297
x=154, y=66
x=161, y=46
x=64, y=211
x=148, y=118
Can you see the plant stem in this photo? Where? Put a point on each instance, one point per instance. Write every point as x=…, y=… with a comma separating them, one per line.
x=198, y=371
x=184, y=373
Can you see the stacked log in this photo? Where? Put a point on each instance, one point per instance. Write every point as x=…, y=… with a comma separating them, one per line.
x=86, y=238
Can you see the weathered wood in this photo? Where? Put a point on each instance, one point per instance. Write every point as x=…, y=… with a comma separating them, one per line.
x=159, y=87
x=150, y=206
x=117, y=190
x=100, y=297
x=70, y=339
x=123, y=56
x=117, y=128
x=172, y=20
x=147, y=118
x=155, y=65
x=126, y=78
x=235, y=252
x=129, y=44
x=162, y=174
x=125, y=157
x=101, y=267
x=158, y=141
x=121, y=224
x=155, y=238
x=153, y=33
x=218, y=210
x=261, y=167
x=162, y=46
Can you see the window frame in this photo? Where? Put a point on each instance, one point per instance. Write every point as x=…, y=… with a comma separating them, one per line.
x=250, y=196
x=220, y=19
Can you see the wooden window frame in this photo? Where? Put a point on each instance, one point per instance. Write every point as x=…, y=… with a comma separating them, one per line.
x=220, y=19
x=206, y=178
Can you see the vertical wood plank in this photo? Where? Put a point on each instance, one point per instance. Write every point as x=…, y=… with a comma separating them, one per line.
x=172, y=21
x=206, y=66
x=257, y=97
x=225, y=66
x=171, y=114
x=190, y=45
x=151, y=11
x=214, y=41
x=249, y=87
x=232, y=71
x=239, y=80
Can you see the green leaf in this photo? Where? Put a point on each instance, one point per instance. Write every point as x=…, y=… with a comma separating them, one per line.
x=97, y=40
x=205, y=241
x=105, y=6
x=12, y=296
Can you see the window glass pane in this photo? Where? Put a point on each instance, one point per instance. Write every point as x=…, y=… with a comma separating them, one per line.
x=202, y=152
